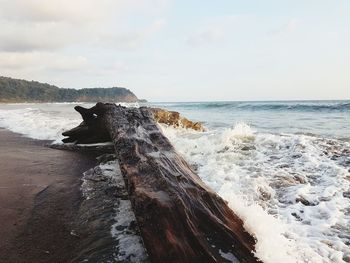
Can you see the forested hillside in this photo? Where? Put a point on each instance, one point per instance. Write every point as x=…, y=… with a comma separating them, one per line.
x=15, y=90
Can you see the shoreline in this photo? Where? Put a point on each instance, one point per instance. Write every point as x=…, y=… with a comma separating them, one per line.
x=39, y=199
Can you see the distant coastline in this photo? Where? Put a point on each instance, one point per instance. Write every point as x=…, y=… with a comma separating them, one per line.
x=24, y=91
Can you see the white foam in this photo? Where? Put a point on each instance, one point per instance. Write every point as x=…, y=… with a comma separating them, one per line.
x=262, y=176
x=288, y=188
x=129, y=246
x=43, y=121
x=36, y=124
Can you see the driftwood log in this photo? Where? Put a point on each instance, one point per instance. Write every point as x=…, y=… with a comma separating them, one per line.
x=93, y=130
x=180, y=218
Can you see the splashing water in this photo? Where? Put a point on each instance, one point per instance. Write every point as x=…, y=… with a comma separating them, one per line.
x=290, y=190
x=286, y=174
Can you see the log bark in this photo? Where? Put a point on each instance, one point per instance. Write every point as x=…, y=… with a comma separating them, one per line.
x=93, y=130
x=180, y=218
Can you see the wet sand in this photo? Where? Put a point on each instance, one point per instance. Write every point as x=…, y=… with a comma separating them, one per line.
x=39, y=198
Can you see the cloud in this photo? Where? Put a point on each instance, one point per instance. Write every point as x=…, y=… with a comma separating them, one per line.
x=132, y=38
x=206, y=35
x=16, y=61
x=218, y=29
x=34, y=36
x=70, y=42
x=49, y=25
x=291, y=26
x=57, y=10
x=116, y=68
x=34, y=25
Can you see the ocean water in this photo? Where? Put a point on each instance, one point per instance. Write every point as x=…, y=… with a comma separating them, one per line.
x=283, y=167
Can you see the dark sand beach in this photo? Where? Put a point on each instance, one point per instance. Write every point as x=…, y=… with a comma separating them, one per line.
x=39, y=198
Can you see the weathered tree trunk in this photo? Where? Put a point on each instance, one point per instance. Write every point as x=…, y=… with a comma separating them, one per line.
x=180, y=218
x=93, y=130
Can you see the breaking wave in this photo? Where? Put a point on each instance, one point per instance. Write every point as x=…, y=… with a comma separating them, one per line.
x=290, y=187
x=292, y=191
x=337, y=106
x=43, y=121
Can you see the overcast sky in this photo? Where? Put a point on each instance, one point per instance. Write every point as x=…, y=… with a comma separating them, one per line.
x=182, y=50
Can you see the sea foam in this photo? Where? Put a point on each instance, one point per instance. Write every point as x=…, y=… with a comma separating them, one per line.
x=36, y=123
x=43, y=121
x=290, y=194
x=291, y=190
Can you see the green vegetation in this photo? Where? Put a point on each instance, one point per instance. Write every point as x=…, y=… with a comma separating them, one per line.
x=15, y=90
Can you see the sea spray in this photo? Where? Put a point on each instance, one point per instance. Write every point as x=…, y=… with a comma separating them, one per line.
x=289, y=193
x=286, y=174
x=43, y=121
x=36, y=123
